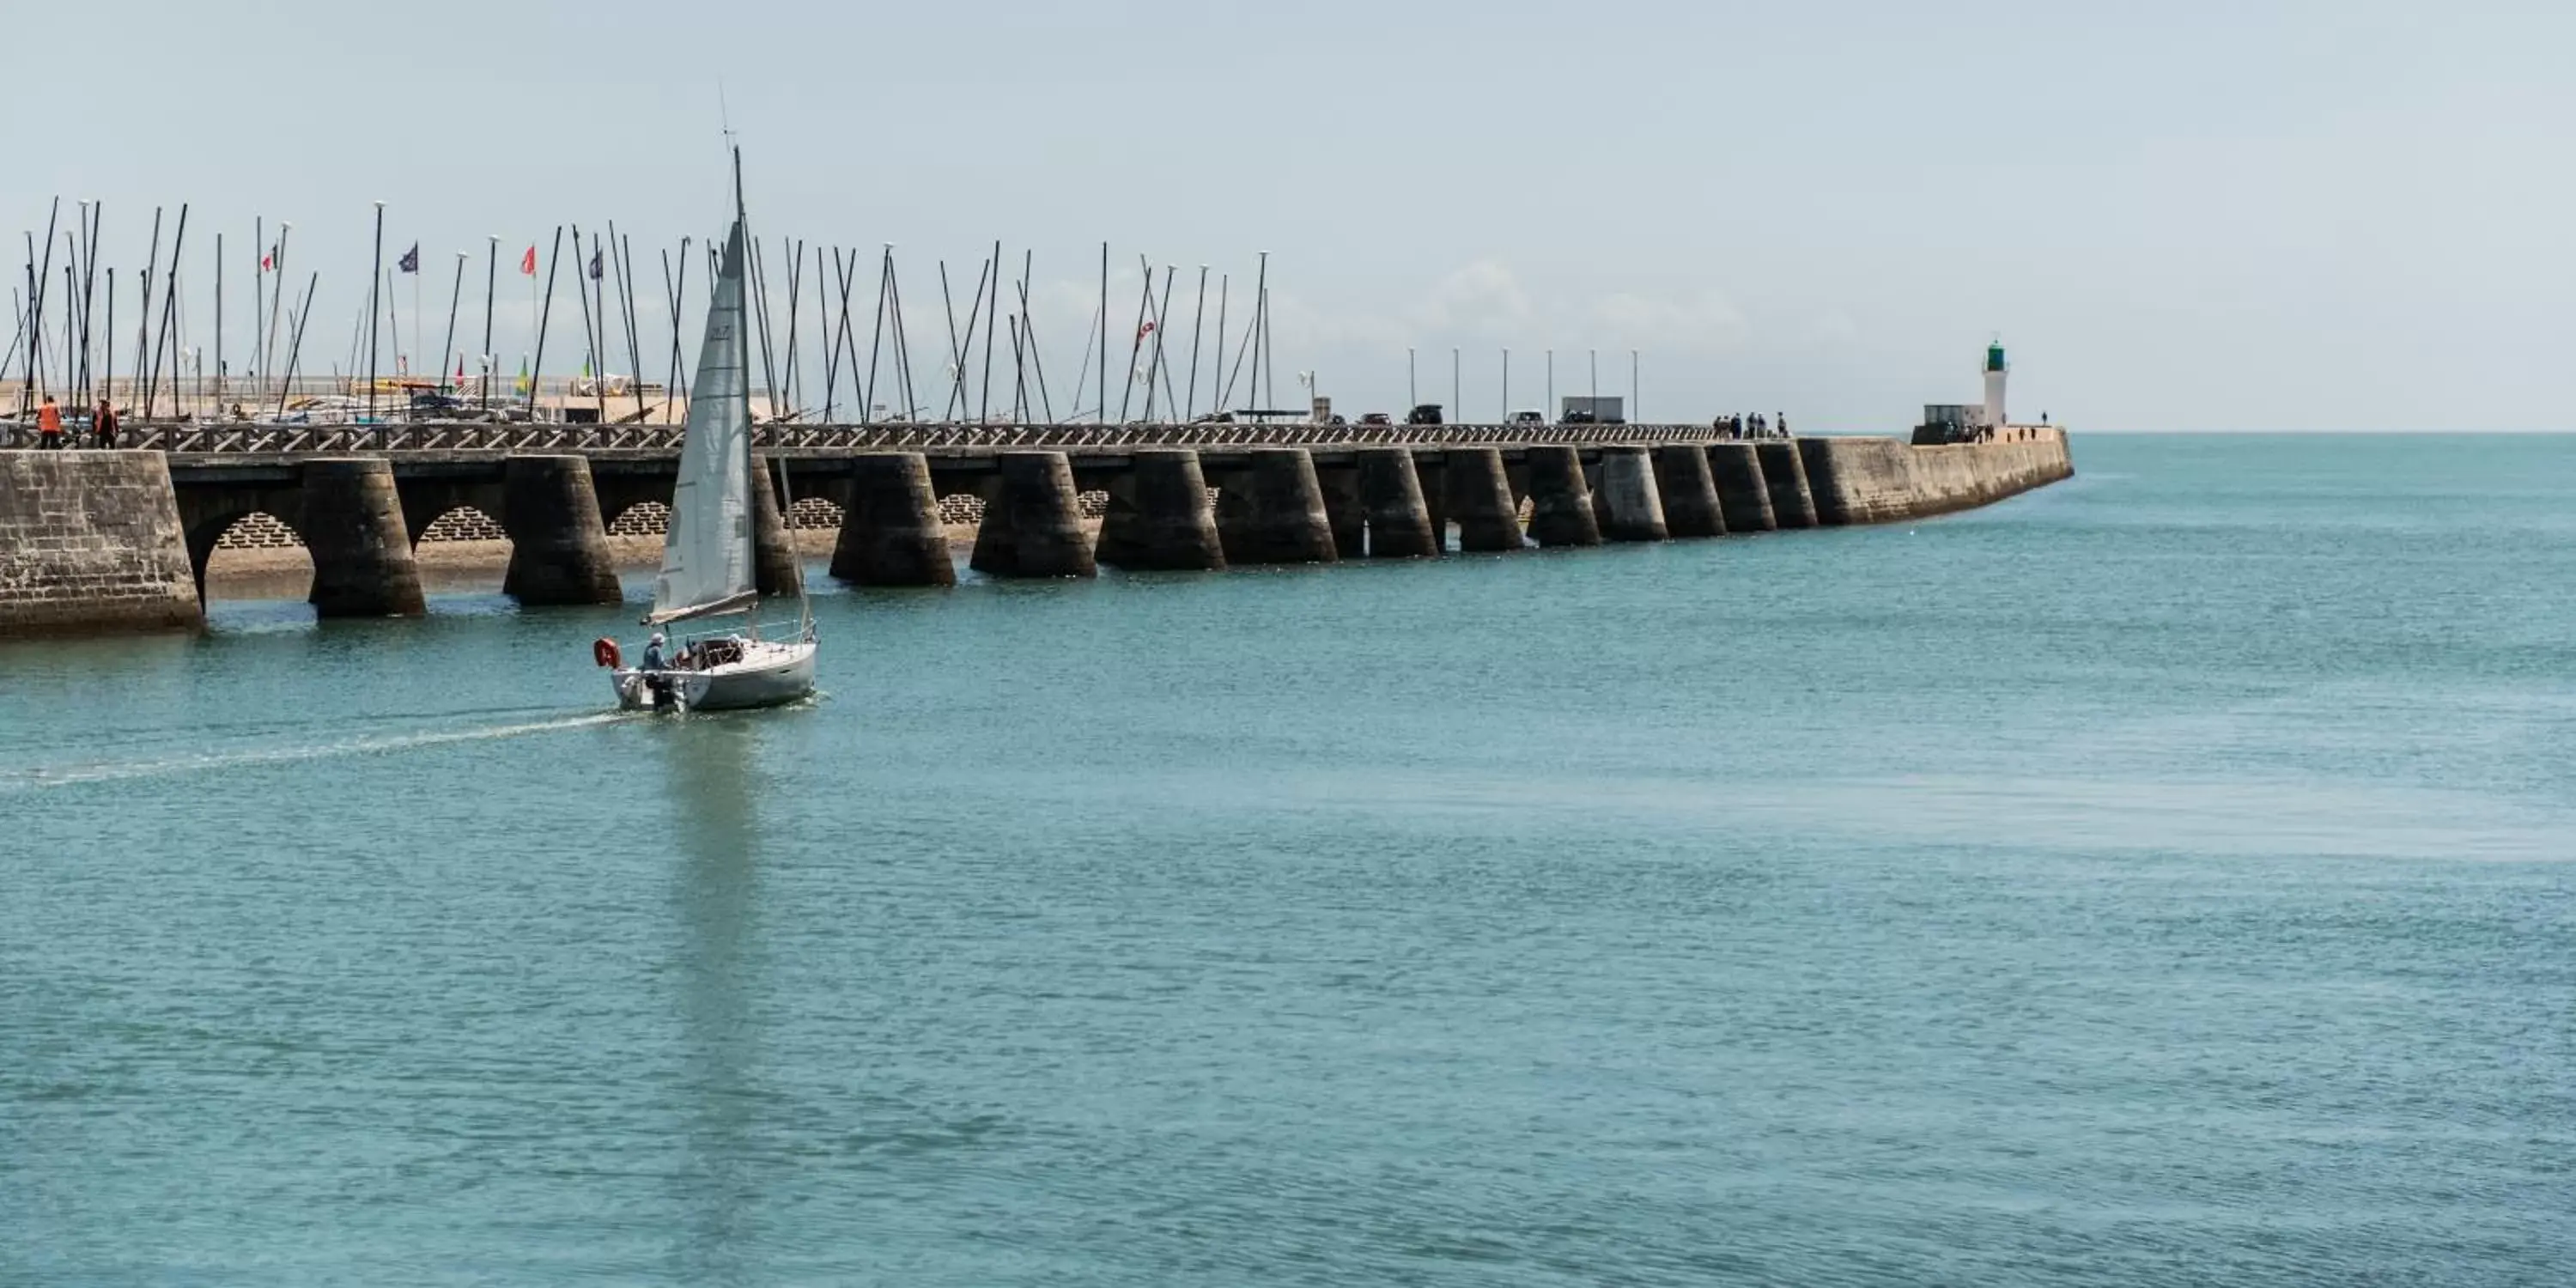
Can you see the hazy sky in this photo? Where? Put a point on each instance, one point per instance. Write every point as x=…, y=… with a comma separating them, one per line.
x=2181, y=215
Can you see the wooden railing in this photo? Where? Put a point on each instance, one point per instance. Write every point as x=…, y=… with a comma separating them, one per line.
x=237, y=436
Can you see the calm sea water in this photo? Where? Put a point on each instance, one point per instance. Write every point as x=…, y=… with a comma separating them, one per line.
x=2161, y=879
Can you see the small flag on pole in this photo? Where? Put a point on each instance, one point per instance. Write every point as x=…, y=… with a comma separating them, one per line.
x=410, y=262
x=1145, y=330
x=268, y=262
x=594, y=266
x=528, y=262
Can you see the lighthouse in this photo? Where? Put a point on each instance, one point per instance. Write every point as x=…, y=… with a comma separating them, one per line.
x=1996, y=370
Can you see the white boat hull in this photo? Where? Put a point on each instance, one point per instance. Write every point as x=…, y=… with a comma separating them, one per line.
x=769, y=673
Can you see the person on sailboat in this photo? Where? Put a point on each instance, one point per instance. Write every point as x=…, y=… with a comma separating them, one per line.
x=653, y=654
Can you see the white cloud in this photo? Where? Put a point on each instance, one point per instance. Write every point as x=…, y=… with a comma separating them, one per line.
x=1483, y=297
x=1701, y=323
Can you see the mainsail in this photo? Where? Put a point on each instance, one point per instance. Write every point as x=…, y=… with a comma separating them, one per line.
x=706, y=554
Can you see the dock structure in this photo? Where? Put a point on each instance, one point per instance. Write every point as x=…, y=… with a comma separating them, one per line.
x=120, y=540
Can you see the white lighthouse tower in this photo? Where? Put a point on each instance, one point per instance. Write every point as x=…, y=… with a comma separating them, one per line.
x=1996, y=370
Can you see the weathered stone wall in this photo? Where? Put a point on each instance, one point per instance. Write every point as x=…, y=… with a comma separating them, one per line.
x=90, y=541
x=1878, y=480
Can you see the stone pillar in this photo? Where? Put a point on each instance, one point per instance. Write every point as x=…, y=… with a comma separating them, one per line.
x=1689, y=491
x=1631, y=507
x=1479, y=499
x=1560, y=501
x=1273, y=512
x=558, y=546
x=890, y=529
x=352, y=525
x=1342, y=508
x=1792, y=505
x=1743, y=495
x=1032, y=524
x=1399, y=520
x=775, y=567
x=1159, y=517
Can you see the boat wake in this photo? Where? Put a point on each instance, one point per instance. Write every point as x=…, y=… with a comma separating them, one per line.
x=70, y=775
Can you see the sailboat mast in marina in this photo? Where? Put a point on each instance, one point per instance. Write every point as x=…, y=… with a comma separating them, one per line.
x=708, y=567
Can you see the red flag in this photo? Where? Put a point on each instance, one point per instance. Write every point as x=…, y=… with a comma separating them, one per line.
x=267, y=263
x=528, y=262
x=1145, y=330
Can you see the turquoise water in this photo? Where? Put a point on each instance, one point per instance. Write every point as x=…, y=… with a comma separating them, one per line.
x=2160, y=879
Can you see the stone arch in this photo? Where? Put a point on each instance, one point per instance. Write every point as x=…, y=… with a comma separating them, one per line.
x=258, y=530
x=643, y=518
x=461, y=523
x=815, y=513
x=458, y=542
x=252, y=549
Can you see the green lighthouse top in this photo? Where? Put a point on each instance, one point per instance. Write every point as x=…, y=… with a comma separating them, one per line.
x=1995, y=356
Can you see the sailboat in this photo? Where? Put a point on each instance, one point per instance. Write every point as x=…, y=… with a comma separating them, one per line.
x=707, y=565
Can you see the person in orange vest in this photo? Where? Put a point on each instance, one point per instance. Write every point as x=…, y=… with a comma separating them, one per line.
x=49, y=425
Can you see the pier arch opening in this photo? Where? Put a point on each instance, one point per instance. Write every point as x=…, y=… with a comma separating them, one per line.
x=814, y=513
x=258, y=556
x=462, y=549
x=642, y=519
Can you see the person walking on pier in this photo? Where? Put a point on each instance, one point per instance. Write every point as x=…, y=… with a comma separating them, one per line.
x=1782, y=421
x=103, y=422
x=49, y=426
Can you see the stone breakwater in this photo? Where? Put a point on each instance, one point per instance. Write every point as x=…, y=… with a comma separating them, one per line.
x=91, y=541
x=121, y=540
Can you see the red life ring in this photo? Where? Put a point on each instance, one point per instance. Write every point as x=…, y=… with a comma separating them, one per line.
x=604, y=652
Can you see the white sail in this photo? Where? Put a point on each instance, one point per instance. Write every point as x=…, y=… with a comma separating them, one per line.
x=706, y=554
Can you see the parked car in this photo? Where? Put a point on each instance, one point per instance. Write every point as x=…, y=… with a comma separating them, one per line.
x=1581, y=417
x=1377, y=418
x=1529, y=418
x=1426, y=414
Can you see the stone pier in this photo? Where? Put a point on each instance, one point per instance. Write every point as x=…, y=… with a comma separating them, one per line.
x=1743, y=495
x=1628, y=504
x=1477, y=495
x=352, y=526
x=1792, y=505
x=1391, y=501
x=1032, y=523
x=1271, y=510
x=1688, y=490
x=1879, y=480
x=891, y=534
x=91, y=541
x=120, y=540
x=1159, y=518
x=558, y=547
x=1560, y=500
x=775, y=567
